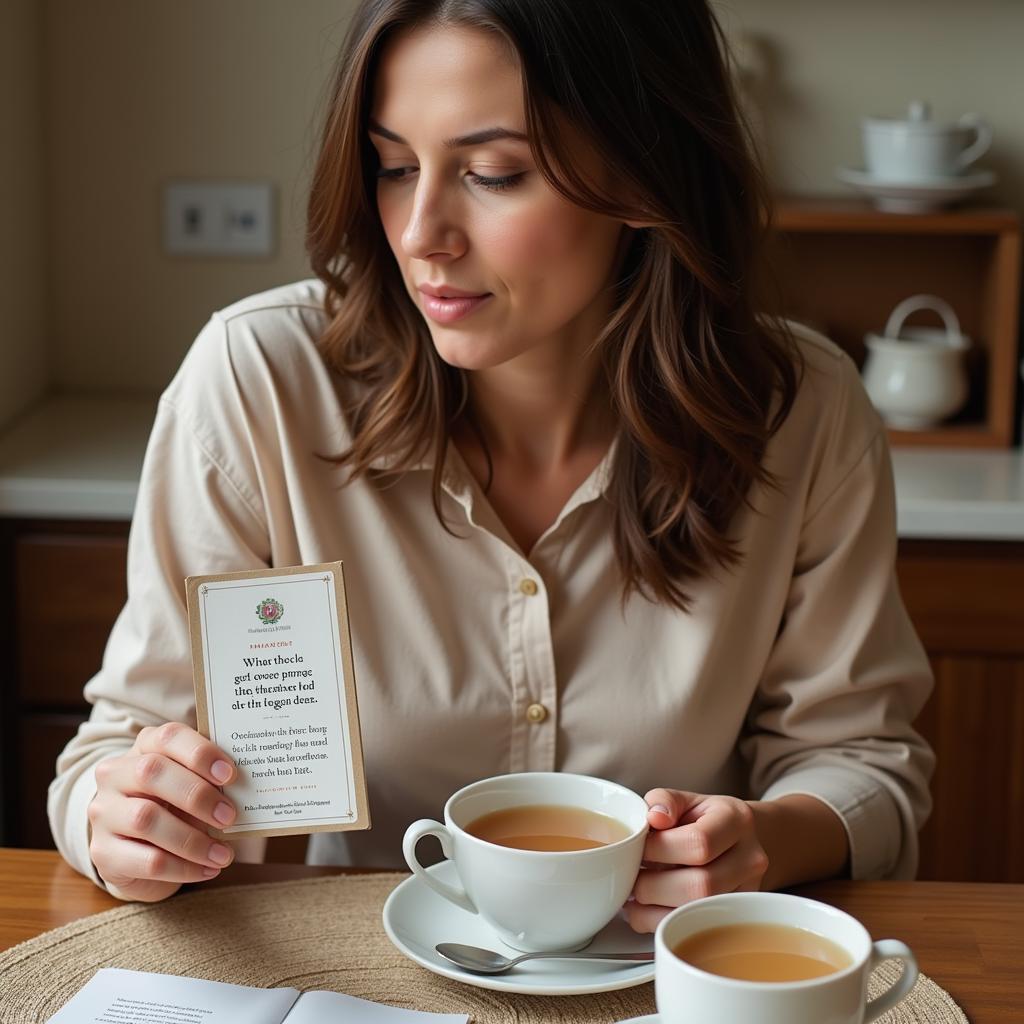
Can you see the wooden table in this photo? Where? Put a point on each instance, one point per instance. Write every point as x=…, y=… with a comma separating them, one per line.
x=968, y=937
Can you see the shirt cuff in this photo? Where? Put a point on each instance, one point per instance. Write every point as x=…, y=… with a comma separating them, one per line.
x=70, y=827
x=878, y=846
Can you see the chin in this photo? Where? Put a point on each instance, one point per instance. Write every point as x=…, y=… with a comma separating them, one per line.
x=468, y=353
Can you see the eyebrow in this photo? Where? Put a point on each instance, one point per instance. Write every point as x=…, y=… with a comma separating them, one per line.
x=473, y=139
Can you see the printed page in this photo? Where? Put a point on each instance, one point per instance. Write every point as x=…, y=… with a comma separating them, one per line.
x=317, y=1007
x=274, y=681
x=115, y=996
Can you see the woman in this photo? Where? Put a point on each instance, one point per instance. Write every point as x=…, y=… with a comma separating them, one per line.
x=596, y=513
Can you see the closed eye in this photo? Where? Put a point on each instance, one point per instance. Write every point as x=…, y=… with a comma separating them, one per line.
x=498, y=183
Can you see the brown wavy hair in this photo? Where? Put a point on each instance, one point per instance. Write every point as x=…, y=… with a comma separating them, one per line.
x=699, y=375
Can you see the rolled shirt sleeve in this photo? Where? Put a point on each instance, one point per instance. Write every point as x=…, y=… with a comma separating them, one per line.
x=847, y=674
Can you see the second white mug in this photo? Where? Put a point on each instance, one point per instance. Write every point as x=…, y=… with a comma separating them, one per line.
x=686, y=994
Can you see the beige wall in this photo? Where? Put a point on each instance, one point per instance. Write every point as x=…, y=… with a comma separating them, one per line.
x=23, y=335
x=147, y=90
x=824, y=64
x=140, y=91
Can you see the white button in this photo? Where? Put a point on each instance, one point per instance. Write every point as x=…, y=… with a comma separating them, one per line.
x=536, y=713
x=528, y=587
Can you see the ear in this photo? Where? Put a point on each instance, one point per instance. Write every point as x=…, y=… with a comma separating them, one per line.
x=637, y=224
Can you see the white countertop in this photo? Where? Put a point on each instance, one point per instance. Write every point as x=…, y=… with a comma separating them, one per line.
x=80, y=457
x=75, y=458
x=959, y=493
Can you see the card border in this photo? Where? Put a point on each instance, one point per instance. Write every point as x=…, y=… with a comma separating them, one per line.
x=351, y=704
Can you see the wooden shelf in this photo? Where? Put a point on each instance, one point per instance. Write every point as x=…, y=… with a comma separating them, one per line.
x=855, y=215
x=949, y=435
x=843, y=266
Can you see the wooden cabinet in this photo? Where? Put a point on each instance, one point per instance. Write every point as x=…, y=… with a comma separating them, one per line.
x=842, y=266
x=967, y=602
x=37, y=740
x=66, y=585
x=966, y=599
x=70, y=588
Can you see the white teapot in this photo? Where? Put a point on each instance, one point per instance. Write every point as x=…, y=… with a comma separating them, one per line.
x=915, y=376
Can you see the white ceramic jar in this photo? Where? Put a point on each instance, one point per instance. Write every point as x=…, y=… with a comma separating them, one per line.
x=915, y=376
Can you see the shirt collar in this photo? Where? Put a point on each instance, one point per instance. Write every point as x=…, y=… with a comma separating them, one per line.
x=458, y=482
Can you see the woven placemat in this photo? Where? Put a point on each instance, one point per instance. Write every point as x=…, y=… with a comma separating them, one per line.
x=319, y=933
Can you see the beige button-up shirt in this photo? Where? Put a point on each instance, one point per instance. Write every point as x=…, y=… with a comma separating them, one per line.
x=797, y=672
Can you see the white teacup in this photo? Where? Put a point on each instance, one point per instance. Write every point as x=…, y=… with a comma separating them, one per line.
x=685, y=993
x=919, y=149
x=537, y=901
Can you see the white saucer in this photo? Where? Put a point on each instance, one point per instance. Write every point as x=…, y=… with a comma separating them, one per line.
x=917, y=196
x=651, y=1018
x=416, y=919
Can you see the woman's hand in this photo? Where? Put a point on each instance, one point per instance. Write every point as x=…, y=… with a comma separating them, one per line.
x=151, y=809
x=697, y=846
x=702, y=845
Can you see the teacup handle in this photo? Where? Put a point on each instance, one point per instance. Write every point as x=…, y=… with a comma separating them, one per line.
x=413, y=834
x=983, y=139
x=891, y=949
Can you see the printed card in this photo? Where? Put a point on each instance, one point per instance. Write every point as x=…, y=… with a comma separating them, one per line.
x=275, y=689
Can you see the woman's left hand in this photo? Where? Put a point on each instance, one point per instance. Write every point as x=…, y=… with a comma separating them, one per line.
x=697, y=846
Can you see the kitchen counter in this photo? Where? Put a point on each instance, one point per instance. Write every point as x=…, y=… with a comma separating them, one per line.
x=80, y=457
x=959, y=494
x=75, y=457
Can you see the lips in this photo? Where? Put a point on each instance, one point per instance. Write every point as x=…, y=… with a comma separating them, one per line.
x=448, y=291
x=445, y=304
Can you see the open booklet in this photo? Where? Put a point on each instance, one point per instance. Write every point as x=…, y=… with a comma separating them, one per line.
x=115, y=996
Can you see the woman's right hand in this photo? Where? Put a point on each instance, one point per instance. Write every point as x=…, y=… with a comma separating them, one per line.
x=151, y=809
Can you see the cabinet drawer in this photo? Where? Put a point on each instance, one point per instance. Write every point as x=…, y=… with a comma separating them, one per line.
x=69, y=591
x=965, y=598
x=974, y=721
x=40, y=739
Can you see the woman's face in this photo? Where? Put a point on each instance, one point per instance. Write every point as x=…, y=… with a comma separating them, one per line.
x=500, y=265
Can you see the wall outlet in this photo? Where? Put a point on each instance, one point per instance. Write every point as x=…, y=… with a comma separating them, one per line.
x=218, y=218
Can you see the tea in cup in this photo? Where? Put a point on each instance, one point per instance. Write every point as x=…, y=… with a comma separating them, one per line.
x=773, y=958
x=546, y=858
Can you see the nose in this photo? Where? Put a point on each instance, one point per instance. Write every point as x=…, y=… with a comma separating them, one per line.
x=432, y=230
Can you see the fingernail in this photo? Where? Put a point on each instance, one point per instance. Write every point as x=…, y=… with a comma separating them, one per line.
x=211, y=872
x=219, y=854
x=661, y=808
x=221, y=771
x=223, y=812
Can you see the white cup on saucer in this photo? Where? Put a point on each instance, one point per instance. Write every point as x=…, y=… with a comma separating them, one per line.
x=918, y=149
x=685, y=993
x=536, y=900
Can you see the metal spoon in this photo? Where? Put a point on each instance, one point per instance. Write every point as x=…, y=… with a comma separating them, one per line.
x=486, y=961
